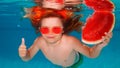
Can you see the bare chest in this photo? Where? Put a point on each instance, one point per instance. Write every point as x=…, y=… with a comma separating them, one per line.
x=58, y=54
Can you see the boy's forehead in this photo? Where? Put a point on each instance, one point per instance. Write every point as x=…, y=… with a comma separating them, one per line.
x=52, y=21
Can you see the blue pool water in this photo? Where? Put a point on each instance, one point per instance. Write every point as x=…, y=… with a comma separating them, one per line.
x=13, y=27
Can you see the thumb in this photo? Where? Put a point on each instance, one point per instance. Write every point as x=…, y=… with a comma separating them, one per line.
x=23, y=41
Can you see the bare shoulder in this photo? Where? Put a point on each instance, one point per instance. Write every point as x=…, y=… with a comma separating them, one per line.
x=72, y=39
x=38, y=41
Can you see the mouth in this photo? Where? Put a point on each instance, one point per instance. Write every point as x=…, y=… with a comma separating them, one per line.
x=50, y=37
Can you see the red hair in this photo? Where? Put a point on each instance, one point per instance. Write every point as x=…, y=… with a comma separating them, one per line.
x=69, y=21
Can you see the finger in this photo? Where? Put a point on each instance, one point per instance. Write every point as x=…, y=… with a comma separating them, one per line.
x=105, y=33
x=109, y=35
x=103, y=38
x=22, y=54
x=22, y=48
x=106, y=39
x=83, y=26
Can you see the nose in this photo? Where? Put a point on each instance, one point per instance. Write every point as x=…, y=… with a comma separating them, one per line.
x=50, y=32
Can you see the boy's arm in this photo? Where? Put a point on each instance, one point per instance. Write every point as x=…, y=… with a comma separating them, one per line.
x=94, y=51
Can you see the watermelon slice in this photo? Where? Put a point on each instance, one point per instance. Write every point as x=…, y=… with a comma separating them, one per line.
x=100, y=5
x=96, y=26
x=101, y=21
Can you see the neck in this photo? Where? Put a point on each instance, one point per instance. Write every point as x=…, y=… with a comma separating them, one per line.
x=56, y=43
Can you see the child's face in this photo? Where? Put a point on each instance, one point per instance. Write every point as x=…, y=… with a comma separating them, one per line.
x=51, y=29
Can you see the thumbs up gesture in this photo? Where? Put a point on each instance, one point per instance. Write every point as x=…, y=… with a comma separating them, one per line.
x=22, y=49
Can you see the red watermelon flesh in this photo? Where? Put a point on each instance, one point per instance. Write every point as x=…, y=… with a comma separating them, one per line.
x=96, y=26
x=100, y=22
x=99, y=5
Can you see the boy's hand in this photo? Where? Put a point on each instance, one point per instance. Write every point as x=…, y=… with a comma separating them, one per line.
x=22, y=49
x=106, y=39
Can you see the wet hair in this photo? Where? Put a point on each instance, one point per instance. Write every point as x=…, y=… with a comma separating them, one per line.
x=69, y=24
x=72, y=24
x=49, y=15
